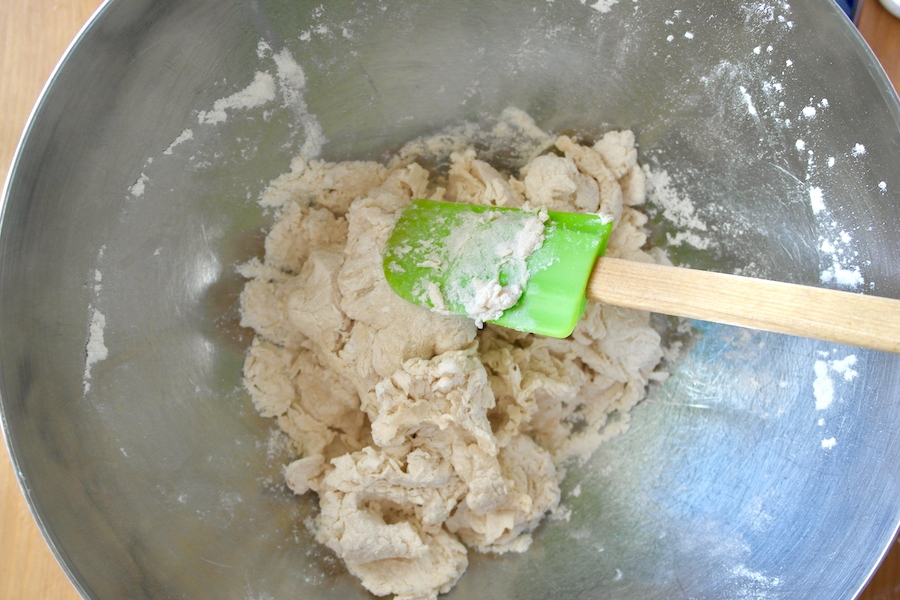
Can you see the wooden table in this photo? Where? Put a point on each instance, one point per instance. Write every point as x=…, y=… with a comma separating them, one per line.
x=33, y=35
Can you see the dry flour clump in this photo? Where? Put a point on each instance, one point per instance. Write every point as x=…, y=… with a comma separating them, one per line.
x=423, y=436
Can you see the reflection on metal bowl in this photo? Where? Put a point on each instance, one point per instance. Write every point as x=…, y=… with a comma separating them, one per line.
x=131, y=202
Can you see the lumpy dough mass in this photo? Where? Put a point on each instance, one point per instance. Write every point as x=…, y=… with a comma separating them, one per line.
x=423, y=436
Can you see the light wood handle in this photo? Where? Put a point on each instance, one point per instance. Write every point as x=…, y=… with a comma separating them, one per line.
x=818, y=313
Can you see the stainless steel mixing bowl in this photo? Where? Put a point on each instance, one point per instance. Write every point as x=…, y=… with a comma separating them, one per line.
x=147, y=468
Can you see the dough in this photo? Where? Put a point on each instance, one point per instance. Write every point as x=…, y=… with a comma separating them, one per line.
x=422, y=435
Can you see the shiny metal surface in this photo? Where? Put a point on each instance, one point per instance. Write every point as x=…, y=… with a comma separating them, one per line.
x=157, y=481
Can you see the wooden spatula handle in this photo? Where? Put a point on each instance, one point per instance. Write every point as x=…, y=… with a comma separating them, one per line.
x=818, y=313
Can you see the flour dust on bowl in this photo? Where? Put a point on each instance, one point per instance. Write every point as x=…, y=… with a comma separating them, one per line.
x=761, y=466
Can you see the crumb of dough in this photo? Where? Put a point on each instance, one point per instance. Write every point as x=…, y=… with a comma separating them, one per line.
x=423, y=437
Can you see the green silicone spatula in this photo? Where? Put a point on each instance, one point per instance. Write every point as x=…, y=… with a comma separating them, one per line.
x=476, y=260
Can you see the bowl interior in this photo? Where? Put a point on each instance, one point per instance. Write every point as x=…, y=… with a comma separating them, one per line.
x=130, y=204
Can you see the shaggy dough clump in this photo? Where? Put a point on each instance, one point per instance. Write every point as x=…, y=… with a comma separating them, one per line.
x=422, y=435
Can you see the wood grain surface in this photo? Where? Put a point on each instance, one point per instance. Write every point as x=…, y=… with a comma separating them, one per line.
x=813, y=312
x=33, y=36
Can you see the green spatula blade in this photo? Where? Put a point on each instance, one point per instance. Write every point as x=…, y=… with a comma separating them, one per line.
x=438, y=248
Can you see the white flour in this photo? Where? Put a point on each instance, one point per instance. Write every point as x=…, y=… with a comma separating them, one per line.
x=844, y=367
x=830, y=374
x=137, y=189
x=825, y=390
x=96, y=350
x=292, y=83
x=843, y=269
x=751, y=108
x=755, y=576
x=602, y=6
x=261, y=91
x=184, y=136
x=823, y=386
x=816, y=200
x=677, y=209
